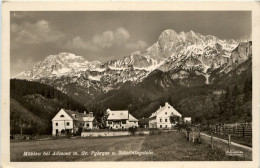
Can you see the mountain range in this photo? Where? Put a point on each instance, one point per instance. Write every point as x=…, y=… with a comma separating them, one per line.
x=180, y=54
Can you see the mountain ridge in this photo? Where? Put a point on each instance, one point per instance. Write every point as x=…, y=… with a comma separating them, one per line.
x=189, y=58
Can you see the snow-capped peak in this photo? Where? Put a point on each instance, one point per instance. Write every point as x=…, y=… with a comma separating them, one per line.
x=184, y=51
x=58, y=65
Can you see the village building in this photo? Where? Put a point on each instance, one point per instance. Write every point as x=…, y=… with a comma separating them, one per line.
x=120, y=119
x=68, y=121
x=187, y=120
x=161, y=118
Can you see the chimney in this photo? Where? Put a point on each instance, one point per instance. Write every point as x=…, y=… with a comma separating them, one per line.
x=166, y=103
x=90, y=114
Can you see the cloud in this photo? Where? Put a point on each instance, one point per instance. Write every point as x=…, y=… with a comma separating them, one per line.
x=107, y=39
x=78, y=43
x=121, y=36
x=34, y=33
x=139, y=45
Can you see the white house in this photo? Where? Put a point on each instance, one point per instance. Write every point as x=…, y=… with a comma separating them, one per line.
x=161, y=118
x=67, y=121
x=187, y=119
x=120, y=119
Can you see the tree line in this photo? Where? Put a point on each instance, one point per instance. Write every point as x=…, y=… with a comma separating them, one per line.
x=24, y=87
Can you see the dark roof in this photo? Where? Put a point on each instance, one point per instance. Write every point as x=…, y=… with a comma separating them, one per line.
x=78, y=116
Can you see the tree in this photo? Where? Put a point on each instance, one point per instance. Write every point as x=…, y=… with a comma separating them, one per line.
x=170, y=100
x=247, y=90
x=174, y=119
x=132, y=130
x=100, y=114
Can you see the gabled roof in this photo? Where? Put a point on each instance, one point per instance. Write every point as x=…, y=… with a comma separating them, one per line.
x=78, y=116
x=118, y=115
x=132, y=118
x=162, y=109
x=158, y=111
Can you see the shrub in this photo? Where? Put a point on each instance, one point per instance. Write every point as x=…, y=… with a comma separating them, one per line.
x=68, y=135
x=132, y=130
x=78, y=132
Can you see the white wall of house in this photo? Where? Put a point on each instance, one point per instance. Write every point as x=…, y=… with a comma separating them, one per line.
x=152, y=122
x=133, y=124
x=61, y=121
x=88, y=125
x=118, y=124
x=162, y=120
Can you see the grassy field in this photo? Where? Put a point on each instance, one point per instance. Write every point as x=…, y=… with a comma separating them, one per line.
x=164, y=147
x=247, y=141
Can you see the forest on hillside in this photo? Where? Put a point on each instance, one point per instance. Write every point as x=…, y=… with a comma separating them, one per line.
x=33, y=105
x=205, y=104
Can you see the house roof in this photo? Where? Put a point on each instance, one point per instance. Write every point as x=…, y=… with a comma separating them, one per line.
x=158, y=111
x=78, y=116
x=132, y=118
x=118, y=115
x=162, y=109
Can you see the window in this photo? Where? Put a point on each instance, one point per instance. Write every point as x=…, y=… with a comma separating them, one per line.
x=124, y=122
x=160, y=120
x=166, y=120
x=57, y=124
x=62, y=115
x=165, y=126
x=160, y=126
x=168, y=106
x=68, y=123
x=87, y=124
x=172, y=113
x=109, y=122
x=165, y=113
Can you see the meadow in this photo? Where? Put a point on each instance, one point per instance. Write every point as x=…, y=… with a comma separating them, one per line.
x=170, y=146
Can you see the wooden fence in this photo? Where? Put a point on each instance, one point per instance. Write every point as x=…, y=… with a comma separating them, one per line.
x=235, y=130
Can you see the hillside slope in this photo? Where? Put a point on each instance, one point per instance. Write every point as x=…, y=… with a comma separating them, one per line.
x=33, y=105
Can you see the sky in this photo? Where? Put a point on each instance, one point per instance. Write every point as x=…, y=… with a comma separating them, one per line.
x=108, y=35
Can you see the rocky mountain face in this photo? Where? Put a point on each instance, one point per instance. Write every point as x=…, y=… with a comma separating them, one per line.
x=177, y=59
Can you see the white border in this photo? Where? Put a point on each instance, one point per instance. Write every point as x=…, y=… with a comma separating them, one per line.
x=127, y=6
